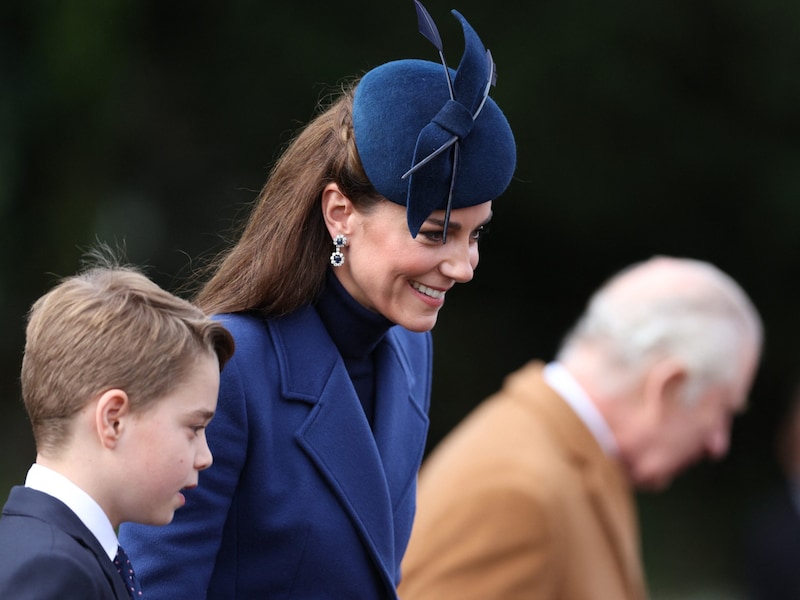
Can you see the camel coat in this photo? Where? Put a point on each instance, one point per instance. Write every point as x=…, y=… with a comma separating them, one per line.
x=519, y=501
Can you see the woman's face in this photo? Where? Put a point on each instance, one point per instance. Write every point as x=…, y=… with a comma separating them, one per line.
x=404, y=278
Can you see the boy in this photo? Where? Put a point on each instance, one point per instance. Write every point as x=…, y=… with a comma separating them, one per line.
x=119, y=379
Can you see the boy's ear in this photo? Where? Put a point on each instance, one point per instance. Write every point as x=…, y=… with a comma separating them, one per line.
x=337, y=209
x=112, y=408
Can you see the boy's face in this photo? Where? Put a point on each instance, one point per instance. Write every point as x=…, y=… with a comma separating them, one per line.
x=167, y=446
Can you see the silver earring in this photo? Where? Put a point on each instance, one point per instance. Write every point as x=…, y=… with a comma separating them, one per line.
x=339, y=242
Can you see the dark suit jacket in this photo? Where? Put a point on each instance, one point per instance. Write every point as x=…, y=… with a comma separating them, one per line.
x=304, y=500
x=47, y=552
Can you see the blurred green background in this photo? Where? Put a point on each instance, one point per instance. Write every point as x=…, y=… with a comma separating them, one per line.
x=643, y=128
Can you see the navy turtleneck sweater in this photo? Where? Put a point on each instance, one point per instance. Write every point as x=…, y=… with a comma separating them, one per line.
x=356, y=331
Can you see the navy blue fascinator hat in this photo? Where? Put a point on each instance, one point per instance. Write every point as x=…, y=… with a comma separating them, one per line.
x=430, y=137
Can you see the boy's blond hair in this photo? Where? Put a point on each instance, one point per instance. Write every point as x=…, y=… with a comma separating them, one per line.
x=109, y=327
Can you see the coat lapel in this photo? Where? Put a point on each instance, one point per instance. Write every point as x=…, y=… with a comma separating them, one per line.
x=336, y=436
x=401, y=425
x=606, y=486
x=613, y=501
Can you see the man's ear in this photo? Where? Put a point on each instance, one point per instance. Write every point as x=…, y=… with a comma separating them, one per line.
x=337, y=210
x=665, y=385
x=111, y=413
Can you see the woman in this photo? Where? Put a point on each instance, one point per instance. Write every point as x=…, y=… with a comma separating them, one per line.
x=322, y=414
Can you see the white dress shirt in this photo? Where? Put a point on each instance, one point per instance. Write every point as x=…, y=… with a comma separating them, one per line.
x=562, y=381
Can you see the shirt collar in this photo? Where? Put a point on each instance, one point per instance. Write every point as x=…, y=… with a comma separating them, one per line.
x=562, y=381
x=82, y=504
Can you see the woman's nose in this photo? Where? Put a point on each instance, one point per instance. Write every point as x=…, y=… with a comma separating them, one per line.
x=461, y=261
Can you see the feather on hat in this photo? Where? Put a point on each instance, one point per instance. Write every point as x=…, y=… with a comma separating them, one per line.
x=430, y=137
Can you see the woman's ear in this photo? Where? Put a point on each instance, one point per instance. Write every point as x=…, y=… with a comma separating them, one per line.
x=337, y=210
x=111, y=413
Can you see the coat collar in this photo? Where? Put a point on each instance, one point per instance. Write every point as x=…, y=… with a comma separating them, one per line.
x=605, y=483
x=336, y=435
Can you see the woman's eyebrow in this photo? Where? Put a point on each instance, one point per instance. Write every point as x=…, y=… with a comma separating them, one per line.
x=455, y=224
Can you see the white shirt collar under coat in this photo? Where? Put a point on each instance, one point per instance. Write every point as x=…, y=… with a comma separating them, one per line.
x=562, y=381
x=82, y=504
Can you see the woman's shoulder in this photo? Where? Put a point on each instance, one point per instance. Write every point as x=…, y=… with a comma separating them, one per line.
x=253, y=329
x=243, y=324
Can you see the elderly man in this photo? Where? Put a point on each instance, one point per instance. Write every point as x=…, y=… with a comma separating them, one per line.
x=532, y=495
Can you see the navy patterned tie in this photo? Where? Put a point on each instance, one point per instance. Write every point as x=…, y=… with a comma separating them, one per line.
x=125, y=570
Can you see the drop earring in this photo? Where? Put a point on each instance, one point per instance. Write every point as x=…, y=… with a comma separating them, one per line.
x=337, y=257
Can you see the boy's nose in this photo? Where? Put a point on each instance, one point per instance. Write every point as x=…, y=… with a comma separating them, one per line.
x=204, y=458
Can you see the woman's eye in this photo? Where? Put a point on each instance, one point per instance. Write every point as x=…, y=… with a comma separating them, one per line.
x=480, y=232
x=434, y=236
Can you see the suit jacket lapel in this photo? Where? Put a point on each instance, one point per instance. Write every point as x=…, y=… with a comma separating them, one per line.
x=36, y=504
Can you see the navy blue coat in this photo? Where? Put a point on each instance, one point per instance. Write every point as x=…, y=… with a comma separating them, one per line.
x=46, y=552
x=303, y=500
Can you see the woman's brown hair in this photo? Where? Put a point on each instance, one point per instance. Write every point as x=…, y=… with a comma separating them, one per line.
x=279, y=262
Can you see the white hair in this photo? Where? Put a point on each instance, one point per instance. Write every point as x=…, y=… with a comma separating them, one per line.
x=670, y=308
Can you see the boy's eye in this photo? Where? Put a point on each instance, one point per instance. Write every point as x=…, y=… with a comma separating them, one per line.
x=198, y=428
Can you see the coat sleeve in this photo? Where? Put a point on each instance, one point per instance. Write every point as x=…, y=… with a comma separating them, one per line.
x=176, y=561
